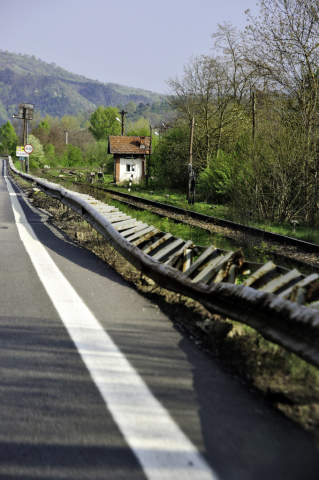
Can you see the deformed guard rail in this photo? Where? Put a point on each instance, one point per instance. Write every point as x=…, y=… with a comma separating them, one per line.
x=270, y=300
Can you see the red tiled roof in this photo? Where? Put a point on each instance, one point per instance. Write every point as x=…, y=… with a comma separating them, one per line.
x=129, y=145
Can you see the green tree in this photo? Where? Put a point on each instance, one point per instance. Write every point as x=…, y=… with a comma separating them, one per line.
x=48, y=150
x=73, y=156
x=155, y=107
x=169, y=161
x=96, y=153
x=45, y=125
x=50, y=156
x=130, y=107
x=8, y=139
x=139, y=128
x=69, y=122
x=104, y=123
x=37, y=156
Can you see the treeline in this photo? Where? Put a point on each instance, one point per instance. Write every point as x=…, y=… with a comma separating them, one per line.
x=80, y=140
x=255, y=103
x=57, y=142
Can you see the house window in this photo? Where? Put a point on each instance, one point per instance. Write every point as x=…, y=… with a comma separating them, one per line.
x=129, y=168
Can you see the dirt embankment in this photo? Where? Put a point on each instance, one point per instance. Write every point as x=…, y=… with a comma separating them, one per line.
x=287, y=382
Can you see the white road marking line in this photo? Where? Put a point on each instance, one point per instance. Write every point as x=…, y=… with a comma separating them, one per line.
x=163, y=450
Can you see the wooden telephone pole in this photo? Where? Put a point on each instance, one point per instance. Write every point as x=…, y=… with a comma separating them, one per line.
x=253, y=106
x=191, y=173
x=123, y=113
x=149, y=159
x=191, y=141
x=25, y=126
x=25, y=113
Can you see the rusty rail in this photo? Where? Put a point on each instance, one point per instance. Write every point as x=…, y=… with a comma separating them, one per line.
x=269, y=300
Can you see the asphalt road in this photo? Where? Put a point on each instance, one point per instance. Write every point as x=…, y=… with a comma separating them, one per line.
x=97, y=383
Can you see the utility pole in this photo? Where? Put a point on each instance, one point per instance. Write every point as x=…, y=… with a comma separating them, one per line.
x=66, y=136
x=122, y=115
x=25, y=126
x=25, y=113
x=191, y=173
x=149, y=158
x=163, y=127
x=254, y=114
x=253, y=106
x=191, y=141
x=25, y=136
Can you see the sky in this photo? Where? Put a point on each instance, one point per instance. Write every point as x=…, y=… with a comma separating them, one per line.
x=137, y=43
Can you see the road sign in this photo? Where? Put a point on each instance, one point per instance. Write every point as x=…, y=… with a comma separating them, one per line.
x=28, y=148
x=20, y=152
x=22, y=159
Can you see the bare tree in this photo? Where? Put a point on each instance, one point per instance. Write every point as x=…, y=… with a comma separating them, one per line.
x=206, y=91
x=284, y=50
x=233, y=44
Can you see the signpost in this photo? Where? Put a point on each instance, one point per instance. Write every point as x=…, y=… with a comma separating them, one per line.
x=25, y=113
x=20, y=152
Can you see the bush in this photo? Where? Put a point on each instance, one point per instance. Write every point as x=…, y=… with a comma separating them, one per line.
x=96, y=154
x=169, y=162
x=8, y=139
x=33, y=165
x=73, y=156
x=216, y=183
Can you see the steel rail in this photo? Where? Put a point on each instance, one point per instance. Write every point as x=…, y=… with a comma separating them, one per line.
x=275, y=237
x=280, y=320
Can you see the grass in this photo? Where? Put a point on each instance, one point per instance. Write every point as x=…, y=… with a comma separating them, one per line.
x=17, y=164
x=307, y=234
x=189, y=232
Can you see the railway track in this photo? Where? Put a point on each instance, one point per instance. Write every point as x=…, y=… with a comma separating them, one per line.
x=242, y=236
x=207, y=220
x=283, y=249
x=271, y=298
x=280, y=251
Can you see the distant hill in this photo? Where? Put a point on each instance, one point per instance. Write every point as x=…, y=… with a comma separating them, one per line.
x=55, y=91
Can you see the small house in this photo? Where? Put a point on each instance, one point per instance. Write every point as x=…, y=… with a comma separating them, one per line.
x=129, y=156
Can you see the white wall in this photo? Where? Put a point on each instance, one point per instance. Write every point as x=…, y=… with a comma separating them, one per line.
x=137, y=174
